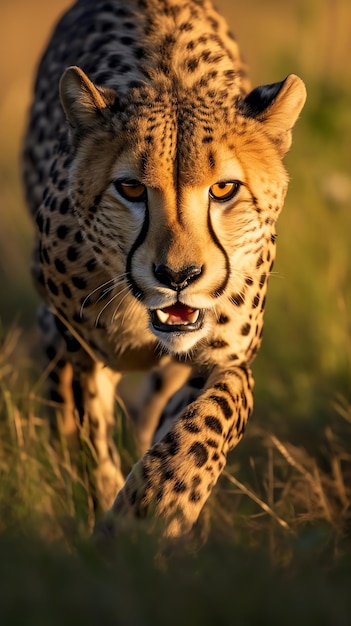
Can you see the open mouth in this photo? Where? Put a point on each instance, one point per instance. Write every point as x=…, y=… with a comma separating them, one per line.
x=177, y=318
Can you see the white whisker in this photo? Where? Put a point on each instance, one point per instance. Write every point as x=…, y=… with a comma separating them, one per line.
x=109, y=302
x=119, y=304
x=116, y=280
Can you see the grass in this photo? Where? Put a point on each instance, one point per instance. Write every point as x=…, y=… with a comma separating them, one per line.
x=275, y=533
x=273, y=543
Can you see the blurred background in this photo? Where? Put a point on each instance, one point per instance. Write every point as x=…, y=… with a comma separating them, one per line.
x=303, y=370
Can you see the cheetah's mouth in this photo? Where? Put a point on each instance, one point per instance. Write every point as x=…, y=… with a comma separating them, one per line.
x=177, y=318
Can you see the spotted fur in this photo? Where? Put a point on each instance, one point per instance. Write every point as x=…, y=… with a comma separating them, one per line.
x=151, y=98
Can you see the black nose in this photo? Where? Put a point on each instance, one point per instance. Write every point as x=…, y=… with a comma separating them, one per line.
x=177, y=280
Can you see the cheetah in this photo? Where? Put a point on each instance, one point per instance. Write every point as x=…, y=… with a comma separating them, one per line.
x=154, y=175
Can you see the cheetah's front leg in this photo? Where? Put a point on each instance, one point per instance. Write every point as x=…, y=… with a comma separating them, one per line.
x=174, y=479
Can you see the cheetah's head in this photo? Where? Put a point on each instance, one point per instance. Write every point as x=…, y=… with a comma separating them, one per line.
x=182, y=190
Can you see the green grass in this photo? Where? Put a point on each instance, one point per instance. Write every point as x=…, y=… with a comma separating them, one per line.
x=273, y=544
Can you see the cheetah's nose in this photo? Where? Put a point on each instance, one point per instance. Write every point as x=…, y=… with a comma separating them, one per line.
x=179, y=279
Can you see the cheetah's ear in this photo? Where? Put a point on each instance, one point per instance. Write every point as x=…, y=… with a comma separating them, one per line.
x=84, y=103
x=277, y=106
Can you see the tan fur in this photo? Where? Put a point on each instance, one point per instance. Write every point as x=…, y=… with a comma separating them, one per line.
x=155, y=92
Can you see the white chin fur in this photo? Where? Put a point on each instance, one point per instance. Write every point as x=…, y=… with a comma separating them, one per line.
x=180, y=343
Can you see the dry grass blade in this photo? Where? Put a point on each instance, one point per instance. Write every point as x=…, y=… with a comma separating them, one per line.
x=289, y=458
x=258, y=500
x=314, y=479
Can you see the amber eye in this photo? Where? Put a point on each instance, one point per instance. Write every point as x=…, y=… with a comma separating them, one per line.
x=131, y=190
x=223, y=191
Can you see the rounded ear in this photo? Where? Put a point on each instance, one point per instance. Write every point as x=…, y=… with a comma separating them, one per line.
x=83, y=102
x=277, y=106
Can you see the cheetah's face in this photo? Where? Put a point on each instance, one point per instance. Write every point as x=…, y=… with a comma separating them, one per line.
x=182, y=215
x=193, y=247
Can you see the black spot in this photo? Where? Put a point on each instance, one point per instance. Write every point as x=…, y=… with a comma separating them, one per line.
x=212, y=443
x=79, y=282
x=249, y=281
x=205, y=55
x=122, y=12
x=191, y=427
x=196, y=481
x=45, y=255
x=53, y=204
x=60, y=266
x=255, y=301
x=102, y=78
x=138, y=53
x=78, y=237
x=113, y=61
x=40, y=278
x=224, y=387
x=172, y=442
x=40, y=222
x=195, y=496
x=90, y=265
x=180, y=486
x=223, y=404
x=259, y=261
x=53, y=288
x=62, y=184
x=218, y=343
x=132, y=497
x=62, y=231
x=79, y=319
x=245, y=329
x=64, y=206
x=207, y=140
x=134, y=84
x=263, y=279
x=157, y=453
x=168, y=474
x=200, y=453
x=66, y=290
x=72, y=253
x=223, y=319
x=213, y=423
x=186, y=26
x=237, y=299
x=126, y=40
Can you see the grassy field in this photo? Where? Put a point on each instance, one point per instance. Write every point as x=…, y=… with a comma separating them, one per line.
x=274, y=541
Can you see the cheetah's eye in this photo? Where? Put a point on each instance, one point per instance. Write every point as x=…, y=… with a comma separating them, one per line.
x=223, y=191
x=131, y=190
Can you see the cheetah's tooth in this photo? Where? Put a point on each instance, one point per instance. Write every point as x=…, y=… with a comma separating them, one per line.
x=167, y=318
x=163, y=317
x=193, y=316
